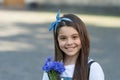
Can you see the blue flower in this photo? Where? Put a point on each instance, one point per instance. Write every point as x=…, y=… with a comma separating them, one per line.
x=59, y=67
x=52, y=65
x=48, y=65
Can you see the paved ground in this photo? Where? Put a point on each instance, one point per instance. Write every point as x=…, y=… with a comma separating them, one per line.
x=25, y=43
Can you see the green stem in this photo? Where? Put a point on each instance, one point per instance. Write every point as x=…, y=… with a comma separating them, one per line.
x=53, y=75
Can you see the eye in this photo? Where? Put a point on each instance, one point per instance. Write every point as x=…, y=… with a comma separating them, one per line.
x=62, y=38
x=75, y=37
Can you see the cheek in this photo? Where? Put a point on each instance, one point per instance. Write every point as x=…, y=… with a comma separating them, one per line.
x=78, y=42
x=61, y=44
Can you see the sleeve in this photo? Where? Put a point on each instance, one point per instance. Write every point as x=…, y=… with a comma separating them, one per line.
x=45, y=76
x=96, y=72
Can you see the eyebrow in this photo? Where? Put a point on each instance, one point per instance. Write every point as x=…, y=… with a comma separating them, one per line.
x=71, y=35
x=75, y=34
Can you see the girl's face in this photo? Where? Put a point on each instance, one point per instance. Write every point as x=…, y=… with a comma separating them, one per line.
x=69, y=41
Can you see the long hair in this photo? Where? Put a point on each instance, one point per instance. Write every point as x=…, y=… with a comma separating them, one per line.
x=81, y=65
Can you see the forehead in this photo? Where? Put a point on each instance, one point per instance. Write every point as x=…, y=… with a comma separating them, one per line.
x=67, y=30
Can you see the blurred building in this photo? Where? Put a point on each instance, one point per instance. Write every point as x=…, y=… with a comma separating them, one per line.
x=18, y=3
x=35, y=3
x=85, y=2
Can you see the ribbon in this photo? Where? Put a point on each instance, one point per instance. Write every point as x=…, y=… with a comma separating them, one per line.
x=54, y=24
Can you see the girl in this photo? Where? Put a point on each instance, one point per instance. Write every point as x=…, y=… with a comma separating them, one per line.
x=72, y=46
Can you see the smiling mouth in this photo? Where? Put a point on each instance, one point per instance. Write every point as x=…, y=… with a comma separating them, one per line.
x=70, y=48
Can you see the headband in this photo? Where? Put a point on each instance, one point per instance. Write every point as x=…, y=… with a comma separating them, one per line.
x=54, y=24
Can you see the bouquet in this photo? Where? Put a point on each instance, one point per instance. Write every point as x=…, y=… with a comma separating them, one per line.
x=54, y=69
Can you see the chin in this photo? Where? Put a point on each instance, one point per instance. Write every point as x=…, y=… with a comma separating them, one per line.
x=71, y=53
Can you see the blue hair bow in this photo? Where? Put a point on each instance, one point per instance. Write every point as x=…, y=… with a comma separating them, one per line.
x=54, y=25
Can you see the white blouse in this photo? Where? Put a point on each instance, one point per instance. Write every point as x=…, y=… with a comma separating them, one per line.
x=96, y=72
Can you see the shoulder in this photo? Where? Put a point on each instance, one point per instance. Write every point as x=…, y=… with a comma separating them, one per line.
x=96, y=72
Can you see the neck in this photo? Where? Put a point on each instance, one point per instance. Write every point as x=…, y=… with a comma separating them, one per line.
x=70, y=60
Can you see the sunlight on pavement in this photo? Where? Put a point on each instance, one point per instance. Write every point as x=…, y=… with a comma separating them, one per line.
x=14, y=46
x=101, y=21
x=24, y=16
x=12, y=31
x=44, y=17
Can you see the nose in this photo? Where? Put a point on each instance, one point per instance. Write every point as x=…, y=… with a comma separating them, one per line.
x=69, y=41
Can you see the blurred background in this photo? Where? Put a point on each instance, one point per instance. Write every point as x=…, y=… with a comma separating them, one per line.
x=25, y=41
